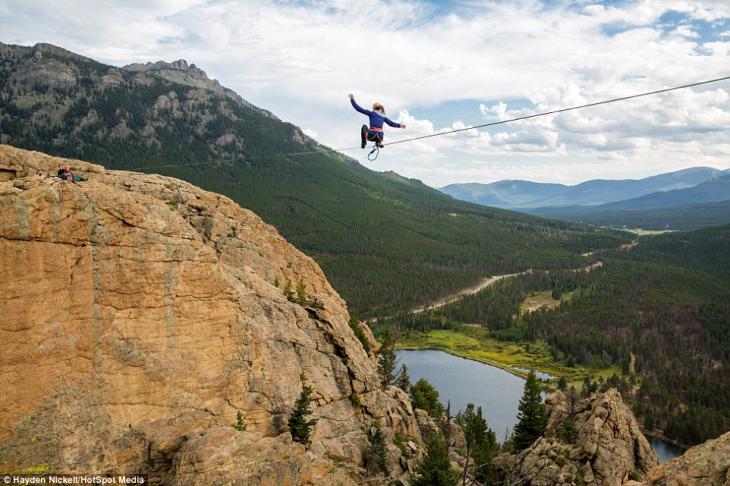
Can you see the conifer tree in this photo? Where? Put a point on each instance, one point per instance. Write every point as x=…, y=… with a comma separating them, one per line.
x=426, y=397
x=532, y=416
x=562, y=383
x=299, y=426
x=288, y=292
x=572, y=399
x=302, y=292
x=376, y=457
x=403, y=381
x=387, y=361
x=481, y=442
x=435, y=468
x=240, y=424
x=567, y=431
x=359, y=333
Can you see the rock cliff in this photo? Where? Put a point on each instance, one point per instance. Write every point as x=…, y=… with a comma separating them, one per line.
x=606, y=447
x=707, y=464
x=140, y=314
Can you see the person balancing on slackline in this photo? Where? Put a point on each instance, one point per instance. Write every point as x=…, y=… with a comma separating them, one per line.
x=374, y=133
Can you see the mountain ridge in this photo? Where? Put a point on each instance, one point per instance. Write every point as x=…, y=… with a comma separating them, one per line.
x=715, y=189
x=591, y=192
x=694, y=207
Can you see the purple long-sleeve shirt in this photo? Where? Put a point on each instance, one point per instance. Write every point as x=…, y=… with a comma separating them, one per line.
x=376, y=118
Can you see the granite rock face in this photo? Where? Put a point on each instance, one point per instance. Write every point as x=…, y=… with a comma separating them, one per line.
x=609, y=448
x=140, y=314
x=180, y=72
x=707, y=464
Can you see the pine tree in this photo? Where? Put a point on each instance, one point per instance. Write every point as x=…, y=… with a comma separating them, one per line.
x=484, y=456
x=562, y=383
x=240, y=424
x=473, y=424
x=403, y=381
x=481, y=442
x=557, y=293
x=359, y=333
x=572, y=399
x=387, y=361
x=426, y=397
x=299, y=426
x=376, y=457
x=435, y=468
x=288, y=292
x=532, y=416
x=567, y=431
x=302, y=292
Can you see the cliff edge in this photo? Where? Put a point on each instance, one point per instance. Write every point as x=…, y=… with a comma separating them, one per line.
x=140, y=314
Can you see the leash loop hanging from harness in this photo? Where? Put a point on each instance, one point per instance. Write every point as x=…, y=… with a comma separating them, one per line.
x=376, y=151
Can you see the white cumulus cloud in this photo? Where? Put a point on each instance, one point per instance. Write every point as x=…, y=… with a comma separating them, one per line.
x=300, y=59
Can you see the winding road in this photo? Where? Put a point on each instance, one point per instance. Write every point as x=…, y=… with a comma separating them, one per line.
x=489, y=281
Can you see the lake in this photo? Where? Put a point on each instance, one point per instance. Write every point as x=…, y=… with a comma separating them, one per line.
x=664, y=450
x=498, y=392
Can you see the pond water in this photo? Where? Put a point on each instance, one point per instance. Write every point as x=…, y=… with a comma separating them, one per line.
x=664, y=450
x=498, y=392
x=463, y=380
x=539, y=374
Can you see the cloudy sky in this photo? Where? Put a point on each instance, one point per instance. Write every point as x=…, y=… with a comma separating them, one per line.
x=440, y=65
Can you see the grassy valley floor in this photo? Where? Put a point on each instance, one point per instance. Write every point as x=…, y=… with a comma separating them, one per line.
x=517, y=358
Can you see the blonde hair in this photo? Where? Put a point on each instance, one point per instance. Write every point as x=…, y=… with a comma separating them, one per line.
x=378, y=107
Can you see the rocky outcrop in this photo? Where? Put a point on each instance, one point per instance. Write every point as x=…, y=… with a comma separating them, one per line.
x=609, y=448
x=180, y=72
x=140, y=314
x=707, y=464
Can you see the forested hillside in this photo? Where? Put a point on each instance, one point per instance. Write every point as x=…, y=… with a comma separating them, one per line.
x=673, y=218
x=384, y=241
x=665, y=301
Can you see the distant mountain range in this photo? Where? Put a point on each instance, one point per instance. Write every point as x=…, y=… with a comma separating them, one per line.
x=715, y=189
x=516, y=194
x=695, y=196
